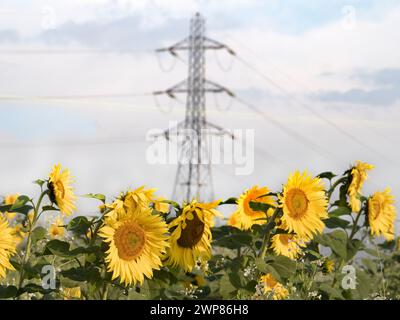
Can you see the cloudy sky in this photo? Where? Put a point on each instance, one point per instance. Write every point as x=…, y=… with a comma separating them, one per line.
x=76, y=79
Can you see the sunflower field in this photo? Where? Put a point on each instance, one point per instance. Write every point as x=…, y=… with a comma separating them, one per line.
x=317, y=238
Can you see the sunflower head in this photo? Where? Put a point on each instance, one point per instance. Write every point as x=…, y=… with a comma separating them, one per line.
x=72, y=293
x=19, y=233
x=382, y=214
x=61, y=192
x=234, y=220
x=358, y=176
x=57, y=229
x=137, y=240
x=273, y=287
x=328, y=266
x=10, y=200
x=288, y=245
x=161, y=206
x=190, y=240
x=139, y=198
x=245, y=215
x=304, y=205
x=8, y=244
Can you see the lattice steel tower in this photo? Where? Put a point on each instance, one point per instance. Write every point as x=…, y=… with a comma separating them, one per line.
x=193, y=178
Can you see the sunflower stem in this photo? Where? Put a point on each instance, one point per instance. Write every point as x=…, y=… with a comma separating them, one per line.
x=267, y=236
x=29, y=240
x=333, y=187
x=354, y=229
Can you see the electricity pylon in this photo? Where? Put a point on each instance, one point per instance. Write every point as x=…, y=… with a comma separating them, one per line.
x=193, y=178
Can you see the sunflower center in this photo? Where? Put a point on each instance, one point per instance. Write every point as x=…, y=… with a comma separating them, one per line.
x=297, y=203
x=129, y=239
x=193, y=232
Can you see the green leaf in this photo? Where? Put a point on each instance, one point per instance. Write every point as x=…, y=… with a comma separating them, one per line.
x=226, y=289
x=33, y=288
x=284, y=266
x=336, y=240
x=334, y=222
x=20, y=202
x=340, y=211
x=326, y=175
x=97, y=196
x=39, y=182
x=57, y=247
x=353, y=248
x=50, y=208
x=331, y=291
x=234, y=241
x=266, y=268
x=79, y=225
x=229, y=201
x=7, y=292
x=38, y=234
x=25, y=209
x=260, y=206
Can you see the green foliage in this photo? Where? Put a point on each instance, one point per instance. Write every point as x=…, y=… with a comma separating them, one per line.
x=239, y=257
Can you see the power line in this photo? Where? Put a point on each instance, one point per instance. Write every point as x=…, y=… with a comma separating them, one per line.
x=295, y=135
x=68, y=51
x=314, y=112
x=74, y=143
x=76, y=97
x=293, y=79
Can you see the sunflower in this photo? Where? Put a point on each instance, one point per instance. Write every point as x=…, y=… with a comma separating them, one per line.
x=190, y=240
x=19, y=233
x=288, y=245
x=161, y=206
x=358, y=176
x=137, y=240
x=72, y=293
x=10, y=200
x=382, y=214
x=135, y=200
x=246, y=215
x=8, y=243
x=271, y=286
x=60, y=190
x=328, y=266
x=304, y=205
x=234, y=221
x=57, y=229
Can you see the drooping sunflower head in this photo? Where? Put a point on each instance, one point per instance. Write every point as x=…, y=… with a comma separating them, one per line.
x=56, y=229
x=8, y=244
x=246, y=216
x=382, y=214
x=288, y=245
x=137, y=240
x=304, y=205
x=273, y=287
x=358, y=176
x=139, y=198
x=190, y=240
x=61, y=191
